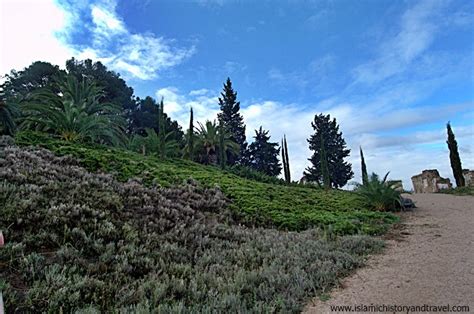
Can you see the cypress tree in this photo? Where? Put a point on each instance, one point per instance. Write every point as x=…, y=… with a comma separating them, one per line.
x=285, y=160
x=454, y=157
x=233, y=120
x=190, y=144
x=324, y=166
x=365, y=176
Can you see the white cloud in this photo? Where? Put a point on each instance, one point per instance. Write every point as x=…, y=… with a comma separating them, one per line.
x=135, y=55
x=29, y=32
x=416, y=33
x=41, y=30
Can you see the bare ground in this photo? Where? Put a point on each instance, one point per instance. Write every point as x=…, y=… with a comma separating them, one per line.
x=429, y=259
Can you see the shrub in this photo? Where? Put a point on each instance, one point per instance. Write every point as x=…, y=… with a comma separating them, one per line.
x=379, y=194
x=252, y=202
x=78, y=241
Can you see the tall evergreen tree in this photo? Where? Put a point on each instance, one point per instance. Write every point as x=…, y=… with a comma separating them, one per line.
x=189, y=149
x=340, y=171
x=233, y=120
x=365, y=175
x=454, y=157
x=324, y=166
x=285, y=160
x=263, y=154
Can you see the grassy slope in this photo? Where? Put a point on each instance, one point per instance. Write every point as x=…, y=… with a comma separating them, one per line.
x=78, y=242
x=288, y=207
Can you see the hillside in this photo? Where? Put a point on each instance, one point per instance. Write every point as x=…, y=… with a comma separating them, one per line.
x=286, y=207
x=85, y=242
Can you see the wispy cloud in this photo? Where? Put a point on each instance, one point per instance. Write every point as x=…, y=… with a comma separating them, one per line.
x=416, y=33
x=135, y=55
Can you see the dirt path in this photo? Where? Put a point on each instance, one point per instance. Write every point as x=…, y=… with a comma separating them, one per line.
x=429, y=260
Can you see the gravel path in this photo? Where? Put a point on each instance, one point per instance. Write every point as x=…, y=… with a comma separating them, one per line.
x=429, y=260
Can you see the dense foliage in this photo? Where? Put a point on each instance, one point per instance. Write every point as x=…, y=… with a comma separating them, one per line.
x=454, y=157
x=291, y=207
x=8, y=112
x=77, y=241
x=76, y=113
x=233, y=121
x=262, y=154
x=340, y=171
x=380, y=194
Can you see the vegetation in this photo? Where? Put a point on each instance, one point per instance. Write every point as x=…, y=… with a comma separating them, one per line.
x=379, y=194
x=324, y=165
x=74, y=114
x=190, y=138
x=209, y=138
x=464, y=190
x=85, y=242
x=340, y=171
x=285, y=160
x=263, y=154
x=363, y=167
x=233, y=121
x=8, y=112
x=454, y=157
x=289, y=207
x=153, y=144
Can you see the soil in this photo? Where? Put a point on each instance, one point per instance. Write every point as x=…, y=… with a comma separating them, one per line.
x=429, y=259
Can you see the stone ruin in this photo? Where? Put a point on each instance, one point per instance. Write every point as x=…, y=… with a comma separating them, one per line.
x=468, y=177
x=429, y=181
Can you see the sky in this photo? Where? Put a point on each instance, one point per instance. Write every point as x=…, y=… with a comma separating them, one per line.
x=392, y=73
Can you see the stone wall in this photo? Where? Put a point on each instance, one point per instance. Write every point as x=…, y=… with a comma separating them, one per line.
x=429, y=181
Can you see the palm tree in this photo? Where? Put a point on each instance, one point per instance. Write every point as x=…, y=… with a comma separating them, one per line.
x=211, y=138
x=379, y=194
x=8, y=112
x=154, y=144
x=75, y=113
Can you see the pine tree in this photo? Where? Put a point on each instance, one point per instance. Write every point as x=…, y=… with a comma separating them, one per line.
x=340, y=171
x=285, y=160
x=263, y=154
x=233, y=120
x=365, y=176
x=324, y=166
x=454, y=157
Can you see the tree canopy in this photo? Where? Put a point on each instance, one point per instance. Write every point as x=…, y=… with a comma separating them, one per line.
x=340, y=171
x=263, y=154
x=232, y=120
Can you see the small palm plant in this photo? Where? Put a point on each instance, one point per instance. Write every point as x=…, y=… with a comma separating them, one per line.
x=153, y=144
x=379, y=194
x=75, y=113
x=212, y=138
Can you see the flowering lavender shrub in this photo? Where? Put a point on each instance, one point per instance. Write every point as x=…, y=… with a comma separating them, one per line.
x=81, y=241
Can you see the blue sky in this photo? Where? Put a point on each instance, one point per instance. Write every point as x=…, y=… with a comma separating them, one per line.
x=391, y=72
